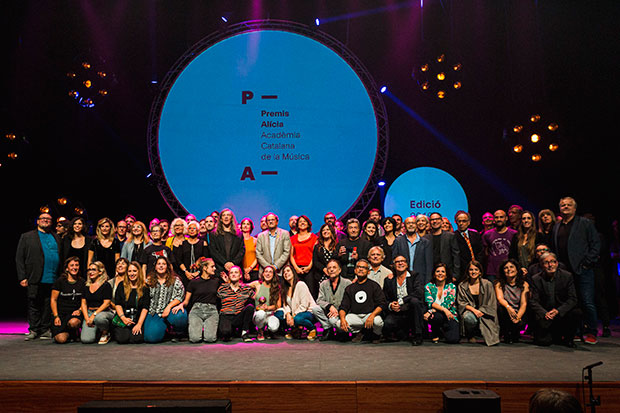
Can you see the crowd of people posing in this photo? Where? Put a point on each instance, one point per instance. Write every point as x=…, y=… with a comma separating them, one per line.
x=383, y=280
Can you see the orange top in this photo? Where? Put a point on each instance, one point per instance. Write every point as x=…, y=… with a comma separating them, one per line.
x=250, y=252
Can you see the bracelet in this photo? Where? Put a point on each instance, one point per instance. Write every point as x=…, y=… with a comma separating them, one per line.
x=56, y=316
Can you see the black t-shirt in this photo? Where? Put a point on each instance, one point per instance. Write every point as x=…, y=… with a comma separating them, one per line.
x=132, y=306
x=106, y=255
x=204, y=291
x=151, y=253
x=104, y=292
x=363, y=298
x=360, y=245
x=562, y=245
x=69, y=295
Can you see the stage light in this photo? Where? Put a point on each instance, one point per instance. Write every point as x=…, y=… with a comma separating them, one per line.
x=383, y=89
x=62, y=201
x=10, y=136
x=381, y=183
x=553, y=147
x=71, y=75
x=536, y=157
x=553, y=127
x=12, y=155
x=535, y=118
x=86, y=65
x=317, y=22
x=103, y=92
x=518, y=148
x=44, y=209
x=434, y=72
x=517, y=129
x=102, y=74
x=224, y=19
x=78, y=211
x=149, y=175
x=525, y=136
x=535, y=138
x=87, y=83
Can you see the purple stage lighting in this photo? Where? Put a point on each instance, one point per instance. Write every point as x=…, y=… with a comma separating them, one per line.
x=383, y=89
x=224, y=19
x=317, y=22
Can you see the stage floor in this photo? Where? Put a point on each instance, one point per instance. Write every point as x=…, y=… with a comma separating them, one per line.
x=298, y=360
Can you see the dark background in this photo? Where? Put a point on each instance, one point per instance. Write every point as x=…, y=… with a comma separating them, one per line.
x=559, y=58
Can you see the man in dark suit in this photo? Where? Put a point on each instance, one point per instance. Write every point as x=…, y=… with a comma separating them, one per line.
x=577, y=244
x=37, y=261
x=405, y=296
x=554, y=304
x=468, y=241
x=445, y=248
x=417, y=250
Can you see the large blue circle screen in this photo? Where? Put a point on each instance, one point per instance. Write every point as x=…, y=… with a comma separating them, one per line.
x=268, y=120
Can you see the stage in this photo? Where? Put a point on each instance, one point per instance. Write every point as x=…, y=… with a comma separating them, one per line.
x=313, y=376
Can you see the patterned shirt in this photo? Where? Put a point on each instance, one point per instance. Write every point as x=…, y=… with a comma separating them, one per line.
x=449, y=297
x=234, y=301
x=161, y=296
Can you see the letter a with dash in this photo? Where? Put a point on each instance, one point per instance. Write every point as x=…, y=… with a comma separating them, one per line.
x=247, y=174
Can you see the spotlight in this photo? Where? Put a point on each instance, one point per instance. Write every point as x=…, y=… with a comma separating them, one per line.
x=10, y=136
x=535, y=118
x=536, y=157
x=553, y=127
x=102, y=74
x=535, y=138
x=517, y=129
x=103, y=92
x=86, y=65
x=149, y=175
x=383, y=89
x=78, y=211
x=12, y=155
x=525, y=136
x=224, y=19
x=434, y=72
x=381, y=183
x=317, y=22
x=518, y=148
x=554, y=147
x=62, y=201
x=71, y=75
x=88, y=82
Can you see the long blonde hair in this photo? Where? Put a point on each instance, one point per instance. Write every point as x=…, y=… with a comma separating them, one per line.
x=100, y=236
x=102, y=278
x=140, y=283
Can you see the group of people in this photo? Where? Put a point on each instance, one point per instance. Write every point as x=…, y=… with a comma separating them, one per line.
x=380, y=280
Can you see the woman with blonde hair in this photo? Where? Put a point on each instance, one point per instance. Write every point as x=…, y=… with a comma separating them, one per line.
x=136, y=241
x=132, y=301
x=105, y=247
x=96, y=298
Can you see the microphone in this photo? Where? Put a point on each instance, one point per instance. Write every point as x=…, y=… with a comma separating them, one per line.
x=591, y=366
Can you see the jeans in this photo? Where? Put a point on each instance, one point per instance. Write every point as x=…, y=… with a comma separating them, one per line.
x=155, y=325
x=305, y=319
x=264, y=318
x=471, y=323
x=203, y=319
x=101, y=323
x=585, y=288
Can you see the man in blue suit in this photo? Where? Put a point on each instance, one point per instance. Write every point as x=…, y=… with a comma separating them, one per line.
x=578, y=246
x=418, y=251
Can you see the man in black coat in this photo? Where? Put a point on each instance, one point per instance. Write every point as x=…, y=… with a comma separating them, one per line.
x=404, y=293
x=554, y=304
x=37, y=262
x=468, y=241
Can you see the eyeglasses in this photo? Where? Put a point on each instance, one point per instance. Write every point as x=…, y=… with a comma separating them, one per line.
x=362, y=267
x=400, y=262
x=92, y=270
x=44, y=219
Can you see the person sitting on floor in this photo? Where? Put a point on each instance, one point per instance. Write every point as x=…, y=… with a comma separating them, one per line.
x=96, y=299
x=512, y=291
x=554, y=304
x=132, y=300
x=331, y=292
x=440, y=297
x=266, y=301
x=477, y=306
x=405, y=303
x=297, y=303
x=362, y=304
x=237, y=307
x=65, y=302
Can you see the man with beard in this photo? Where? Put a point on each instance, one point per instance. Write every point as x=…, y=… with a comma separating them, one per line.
x=496, y=244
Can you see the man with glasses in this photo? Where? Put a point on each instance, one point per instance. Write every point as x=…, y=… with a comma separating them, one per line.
x=445, y=247
x=121, y=232
x=469, y=241
x=361, y=306
x=37, y=261
x=273, y=245
x=536, y=266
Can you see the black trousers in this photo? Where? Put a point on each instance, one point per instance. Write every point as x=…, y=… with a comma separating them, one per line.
x=507, y=328
x=402, y=322
x=123, y=335
x=449, y=328
x=39, y=312
x=558, y=330
x=229, y=322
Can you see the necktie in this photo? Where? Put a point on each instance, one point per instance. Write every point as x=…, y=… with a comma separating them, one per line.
x=471, y=251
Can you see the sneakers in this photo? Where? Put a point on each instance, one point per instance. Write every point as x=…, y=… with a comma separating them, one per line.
x=260, y=336
x=312, y=335
x=30, y=336
x=47, y=335
x=288, y=336
x=105, y=338
x=246, y=337
x=590, y=339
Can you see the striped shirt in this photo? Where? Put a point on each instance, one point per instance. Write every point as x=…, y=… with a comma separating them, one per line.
x=234, y=301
